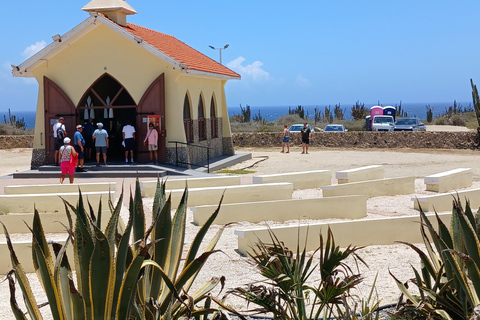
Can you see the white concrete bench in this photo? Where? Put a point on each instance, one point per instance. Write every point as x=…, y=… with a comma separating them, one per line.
x=373, y=172
x=148, y=187
x=23, y=250
x=233, y=194
x=356, y=232
x=444, y=201
x=61, y=188
x=372, y=188
x=300, y=180
x=351, y=207
x=449, y=180
x=48, y=202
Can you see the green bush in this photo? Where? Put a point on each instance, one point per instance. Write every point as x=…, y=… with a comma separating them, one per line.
x=285, y=291
x=120, y=274
x=449, y=279
x=456, y=120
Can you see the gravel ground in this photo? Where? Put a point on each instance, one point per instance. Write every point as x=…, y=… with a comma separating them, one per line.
x=397, y=259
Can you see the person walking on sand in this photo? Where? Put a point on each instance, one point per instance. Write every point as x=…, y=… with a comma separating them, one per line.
x=286, y=139
x=306, y=135
x=128, y=133
x=100, y=136
x=78, y=145
x=59, y=133
x=65, y=154
x=151, y=140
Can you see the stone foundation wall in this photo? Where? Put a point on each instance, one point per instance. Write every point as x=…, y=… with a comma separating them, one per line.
x=364, y=139
x=11, y=142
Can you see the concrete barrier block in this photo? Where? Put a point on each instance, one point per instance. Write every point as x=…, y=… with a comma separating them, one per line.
x=233, y=194
x=23, y=250
x=449, y=180
x=444, y=201
x=349, y=207
x=373, y=172
x=301, y=180
x=61, y=188
x=47, y=202
x=356, y=233
x=148, y=187
x=372, y=188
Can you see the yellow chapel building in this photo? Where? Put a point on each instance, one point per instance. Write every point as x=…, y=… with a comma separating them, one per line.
x=115, y=71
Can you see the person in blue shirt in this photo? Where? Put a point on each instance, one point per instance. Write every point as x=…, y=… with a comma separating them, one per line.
x=79, y=145
x=101, y=143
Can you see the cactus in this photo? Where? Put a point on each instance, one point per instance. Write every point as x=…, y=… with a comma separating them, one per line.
x=476, y=101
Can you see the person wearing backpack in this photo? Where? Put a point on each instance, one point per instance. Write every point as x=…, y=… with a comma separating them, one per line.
x=59, y=133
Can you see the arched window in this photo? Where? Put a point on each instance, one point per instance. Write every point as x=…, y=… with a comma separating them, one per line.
x=213, y=119
x=202, y=123
x=187, y=119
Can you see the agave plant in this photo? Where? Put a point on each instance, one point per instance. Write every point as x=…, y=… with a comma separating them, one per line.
x=117, y=278
x=285, y=292
x=449, y=279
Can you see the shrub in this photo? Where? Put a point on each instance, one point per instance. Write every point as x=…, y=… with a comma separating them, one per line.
x=117, y=278
x=456, y=120
x=441, y=121
x=285, y=291
x=449, y=279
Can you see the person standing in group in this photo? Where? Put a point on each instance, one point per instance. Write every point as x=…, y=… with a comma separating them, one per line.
x=286, y=139
x=59, y=133
x=128, y=133
x=79, y=145
x=66, y=152
x=100, y=136
x=151, y=140
x=87, y=132
x=306, y=135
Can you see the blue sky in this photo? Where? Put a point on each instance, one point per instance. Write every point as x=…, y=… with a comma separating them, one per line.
x=288, y=52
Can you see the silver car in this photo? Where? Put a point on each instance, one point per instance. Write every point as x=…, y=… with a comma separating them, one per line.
x=409, y=124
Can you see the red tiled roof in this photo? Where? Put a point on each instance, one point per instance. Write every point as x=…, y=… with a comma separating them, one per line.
x=179, y=51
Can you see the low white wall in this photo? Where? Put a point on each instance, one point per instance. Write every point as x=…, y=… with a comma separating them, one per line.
x=23, y=250
x=444, y=201
x=233, y=194
x=351, y=207
x=450, y=180
x=47, y=202
x=372, y=188
x=301, y=180
x=357, y=233
x=148, y=187
x=61, y=188
x=372, y=172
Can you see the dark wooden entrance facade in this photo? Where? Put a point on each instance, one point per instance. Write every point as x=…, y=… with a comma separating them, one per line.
x=105, y=97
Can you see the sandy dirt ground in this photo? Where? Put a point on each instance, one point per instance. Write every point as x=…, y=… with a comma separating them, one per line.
x=397, y=259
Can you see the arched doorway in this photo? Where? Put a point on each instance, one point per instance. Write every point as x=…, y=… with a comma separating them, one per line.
x=110, y=103
x=107, y=101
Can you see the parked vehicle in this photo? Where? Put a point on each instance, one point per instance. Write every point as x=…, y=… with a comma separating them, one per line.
x=298, y=126
x=382, y=123
x=335, y=128
x=409, y=124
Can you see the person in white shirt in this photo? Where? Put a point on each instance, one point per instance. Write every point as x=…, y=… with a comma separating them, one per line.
x=128, y=133
x=58, y=140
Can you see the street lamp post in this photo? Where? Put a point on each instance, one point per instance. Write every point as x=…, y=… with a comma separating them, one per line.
x=220, y=49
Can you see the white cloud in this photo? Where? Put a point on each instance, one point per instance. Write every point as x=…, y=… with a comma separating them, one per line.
x=253, y=71
x=34, y=48
x=302, y=82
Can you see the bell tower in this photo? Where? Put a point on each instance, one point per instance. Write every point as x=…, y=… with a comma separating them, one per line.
x=116, y=10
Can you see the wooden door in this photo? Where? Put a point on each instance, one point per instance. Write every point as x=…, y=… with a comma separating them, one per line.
x=152, y=103
x=56, y=104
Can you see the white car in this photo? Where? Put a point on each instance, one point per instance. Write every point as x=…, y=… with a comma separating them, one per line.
x=382, y=123
x=298, y=127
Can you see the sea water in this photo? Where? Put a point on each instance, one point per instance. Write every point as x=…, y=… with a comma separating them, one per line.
x=418, y=110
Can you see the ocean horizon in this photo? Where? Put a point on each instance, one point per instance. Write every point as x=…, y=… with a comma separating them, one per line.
x=417, y=109
x=271, y=113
